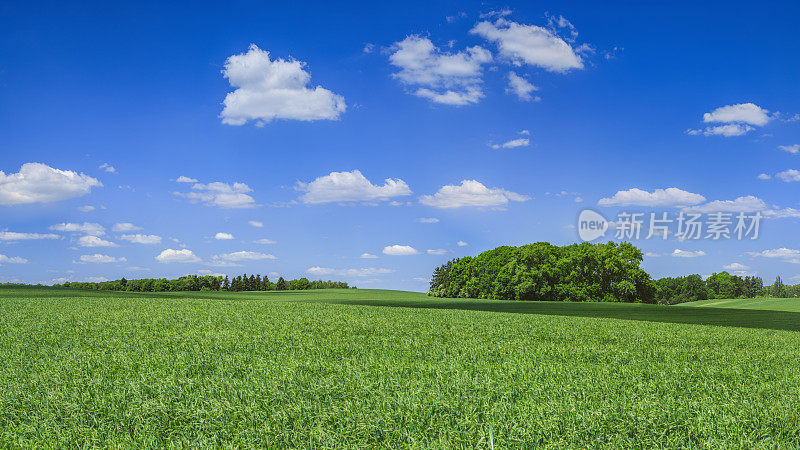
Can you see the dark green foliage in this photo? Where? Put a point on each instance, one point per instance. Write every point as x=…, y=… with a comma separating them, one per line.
x=542, y=271
x=206, y=283
x=718, y=286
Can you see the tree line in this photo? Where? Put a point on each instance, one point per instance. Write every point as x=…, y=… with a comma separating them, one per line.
x=206, y=283
x=585, y=272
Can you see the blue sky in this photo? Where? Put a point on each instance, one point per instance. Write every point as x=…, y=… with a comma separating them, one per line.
x=702, y=98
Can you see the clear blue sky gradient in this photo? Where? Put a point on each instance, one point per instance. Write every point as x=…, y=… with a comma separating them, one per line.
x=139, y=86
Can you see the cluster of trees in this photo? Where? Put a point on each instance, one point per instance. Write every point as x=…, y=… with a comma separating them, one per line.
x=207, y=283
x=542, y=271
x=259, y=283
x=672, y=290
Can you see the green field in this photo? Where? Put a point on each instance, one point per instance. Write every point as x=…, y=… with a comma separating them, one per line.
x=773, y=304
x=367, y=368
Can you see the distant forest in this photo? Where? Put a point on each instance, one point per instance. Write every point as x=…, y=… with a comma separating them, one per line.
x=585, y=273
x=207, y=283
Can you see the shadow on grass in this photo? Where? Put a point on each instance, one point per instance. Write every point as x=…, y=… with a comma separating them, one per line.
x=728, y=317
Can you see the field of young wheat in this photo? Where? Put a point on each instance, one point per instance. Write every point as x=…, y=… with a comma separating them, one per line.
x=367, y=368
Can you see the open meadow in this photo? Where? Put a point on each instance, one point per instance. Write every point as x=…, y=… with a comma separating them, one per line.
x=369, y=368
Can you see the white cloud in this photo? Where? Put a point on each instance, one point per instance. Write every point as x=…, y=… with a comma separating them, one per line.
x=658, y=198
x=93, y=229
x=147, y=239
x=789, y=176
x=742, y=112
x=368, y=256
x=793, y=149
x=678, y=253
x=350, y=187
x=439, y=76
x=124, y=226
x=521, y=87
x=764, y=176
x=368, y=47
x=735, y=266
x=427, y=220
x=274, y=89
x=222, y=195
x=12, y=260
x=242, y=255
x=183, y=179
x=471, y=193
x=741, y=204
x=529, y=44
x=223, y=236
x=108, y=168
x=17, y=236
x=40, y=183
x=177, y=256
x=255, y=223
x=86, y=208
x=399, y=250
x=98, y=258
x=736, y=119
x=521, y=142
x=94, y=241
x=461, y=244
x=785, y=254
x=365, y=272
x=264, y=241
x=436, y=251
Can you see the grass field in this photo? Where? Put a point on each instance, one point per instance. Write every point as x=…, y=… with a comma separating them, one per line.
x=772, y=304
x=373, y=369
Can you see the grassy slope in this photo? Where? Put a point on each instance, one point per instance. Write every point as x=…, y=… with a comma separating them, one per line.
x=772, y=304
x=382, y=368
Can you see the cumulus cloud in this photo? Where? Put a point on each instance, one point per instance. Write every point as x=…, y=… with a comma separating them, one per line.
x=223, y=236
x=177, y=256
x=108, y=168
x=521, y=87
x=364, y=272
x=461, y=244
x=17, y=236
x=268, y=89
x=399, y=250
x=86, y=208
x=350, y=187
x=40, y=183
x=124, y=226
x=100, y=259
x=255, y=223
x=12, y=260
x=746, y=204
x=742, y=112
x=451, y=78
x=222, y=195
x=242, y=255
x=736, y=120
x=436, y=251
x=735, y=267
x=764, y=176
x=368, y=256
x=427, y=220
x=678, y=253
x=471, y=193
x=94, y=241
x=183, y=179
x=264, y=241
x=514, y=143
x=793, y=149
x=658, y=198
x=147, y=239
x=529, y=44
x=788, y=176
x=784, y=254
x=93, y=229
